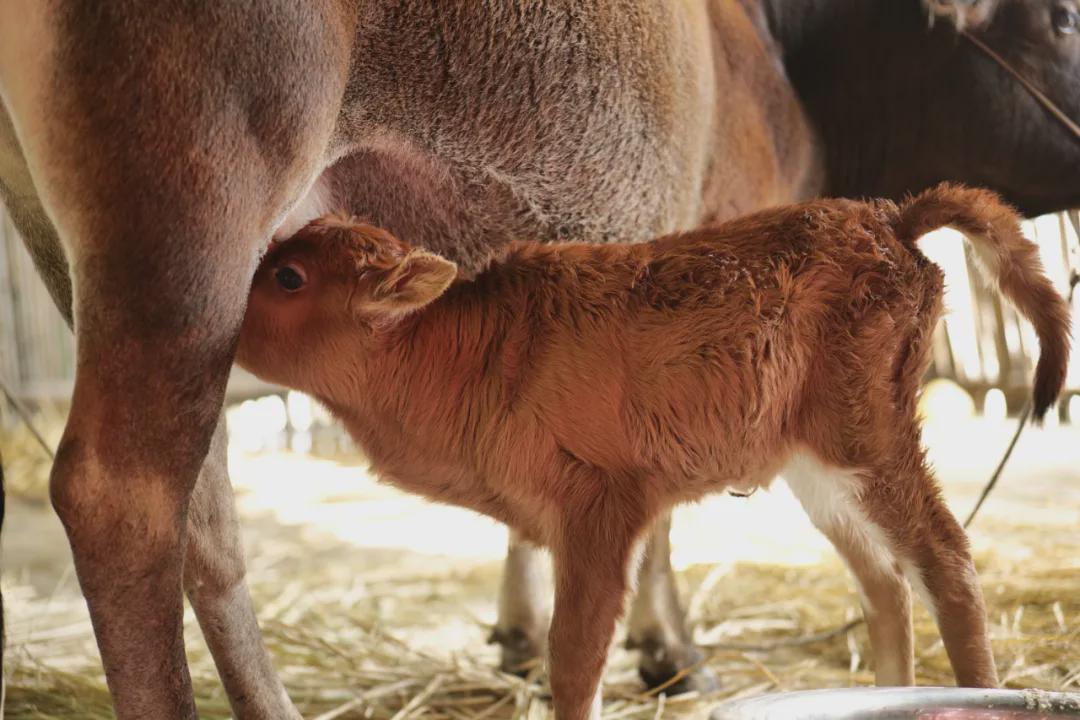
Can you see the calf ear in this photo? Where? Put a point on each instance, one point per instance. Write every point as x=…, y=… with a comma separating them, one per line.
x=417, y=280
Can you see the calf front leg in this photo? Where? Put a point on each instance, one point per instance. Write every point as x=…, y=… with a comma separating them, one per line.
x=593, y=557
x=214, y=581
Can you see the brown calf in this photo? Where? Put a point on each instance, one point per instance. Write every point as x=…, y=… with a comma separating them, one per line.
x=577, y=392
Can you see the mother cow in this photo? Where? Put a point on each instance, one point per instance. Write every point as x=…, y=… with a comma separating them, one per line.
x=149, y=150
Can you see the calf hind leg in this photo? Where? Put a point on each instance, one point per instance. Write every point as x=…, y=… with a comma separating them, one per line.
x=830, y=497
x=936, y=558
x=889, y=521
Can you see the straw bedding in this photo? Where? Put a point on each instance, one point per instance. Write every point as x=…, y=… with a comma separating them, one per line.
x=374, y=645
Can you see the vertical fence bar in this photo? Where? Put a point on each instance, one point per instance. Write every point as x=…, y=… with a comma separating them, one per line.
x=36, y=347
x=9, y=351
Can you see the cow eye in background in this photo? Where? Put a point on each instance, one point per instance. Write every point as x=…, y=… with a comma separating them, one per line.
x=1065, y=19
x=290, y=278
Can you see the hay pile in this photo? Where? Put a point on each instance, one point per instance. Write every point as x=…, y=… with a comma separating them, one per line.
x=352, y=647
x=404, y=639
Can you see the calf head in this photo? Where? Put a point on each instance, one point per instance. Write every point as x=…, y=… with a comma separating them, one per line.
x=320, y=299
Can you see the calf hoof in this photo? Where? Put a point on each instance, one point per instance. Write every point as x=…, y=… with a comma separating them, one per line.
x=521, y=653
x=675, y=670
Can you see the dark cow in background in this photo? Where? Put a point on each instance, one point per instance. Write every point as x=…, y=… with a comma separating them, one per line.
x=149, y=150
x=900, y=102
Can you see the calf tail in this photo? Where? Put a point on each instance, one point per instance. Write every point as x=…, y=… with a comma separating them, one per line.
x=1007, y=259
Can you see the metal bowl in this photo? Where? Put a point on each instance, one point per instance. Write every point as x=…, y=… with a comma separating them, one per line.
x=922, y=703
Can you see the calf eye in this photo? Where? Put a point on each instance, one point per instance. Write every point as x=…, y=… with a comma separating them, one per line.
x=1066, y=20
x=290, y=278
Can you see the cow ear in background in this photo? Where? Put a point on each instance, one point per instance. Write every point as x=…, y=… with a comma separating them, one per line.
x=417, y=280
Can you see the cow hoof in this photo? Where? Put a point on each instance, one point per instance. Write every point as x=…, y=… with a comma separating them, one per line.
x=660, y=664
x=522, y=653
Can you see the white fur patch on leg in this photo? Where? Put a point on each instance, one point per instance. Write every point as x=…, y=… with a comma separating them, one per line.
x=633, y=569
x=829, y=494
x=915, y=579
x=597, y=703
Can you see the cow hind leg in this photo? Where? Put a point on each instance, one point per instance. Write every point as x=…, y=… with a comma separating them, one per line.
x=214, y=564
x=151, y=372
x=215, y=586
x=524, y=611
x=143, y=412
x=657, y=624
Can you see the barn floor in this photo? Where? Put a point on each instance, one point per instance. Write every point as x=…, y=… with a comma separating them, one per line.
x=377, y=605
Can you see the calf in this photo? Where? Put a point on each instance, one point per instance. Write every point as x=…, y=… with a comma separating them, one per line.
x=577, y=392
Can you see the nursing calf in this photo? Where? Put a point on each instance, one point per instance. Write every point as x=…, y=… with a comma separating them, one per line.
x=576, y=392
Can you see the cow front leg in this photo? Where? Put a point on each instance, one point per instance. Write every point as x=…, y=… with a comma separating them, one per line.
x=146, y=401
x=524, y=607
x=215, y=585
x=153, y=357
x=657, y=623
x=165, y=141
